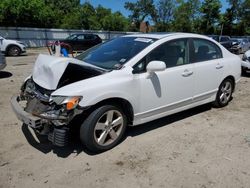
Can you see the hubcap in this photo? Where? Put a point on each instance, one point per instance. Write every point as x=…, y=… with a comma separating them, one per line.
x=108, y=127
x=14, y=51
x=226, y=91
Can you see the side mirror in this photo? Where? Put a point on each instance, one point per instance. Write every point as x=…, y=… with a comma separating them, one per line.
x=155, y=66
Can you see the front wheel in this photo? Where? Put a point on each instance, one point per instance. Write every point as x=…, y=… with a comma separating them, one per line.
x=14, y=51
x=103, y=129
x=224, y=93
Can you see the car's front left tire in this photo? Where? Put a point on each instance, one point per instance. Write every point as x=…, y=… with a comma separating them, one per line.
x=103, y=129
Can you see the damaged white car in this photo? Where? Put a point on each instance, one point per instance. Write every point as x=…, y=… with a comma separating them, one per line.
x=127, y=81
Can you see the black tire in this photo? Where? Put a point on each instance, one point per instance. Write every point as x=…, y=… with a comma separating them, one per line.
x=218, y=101
x=89, y=134
x=243, y=71
x=13, y=50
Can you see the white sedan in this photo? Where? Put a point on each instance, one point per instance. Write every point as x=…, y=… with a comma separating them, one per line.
x=130, y=80
x=245, y=64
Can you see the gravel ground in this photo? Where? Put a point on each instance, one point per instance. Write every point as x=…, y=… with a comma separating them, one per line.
x=202, y=147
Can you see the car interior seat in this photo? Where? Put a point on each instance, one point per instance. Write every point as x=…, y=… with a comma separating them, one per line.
x=173, y=55
x=202, y=53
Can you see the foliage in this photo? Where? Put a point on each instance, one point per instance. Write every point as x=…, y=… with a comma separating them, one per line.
x=210, y=11
x=185, y=15
x=199, y=16
x=165, y=10
x=141, y=10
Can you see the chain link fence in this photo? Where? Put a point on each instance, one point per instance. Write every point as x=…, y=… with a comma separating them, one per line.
x=39, y=37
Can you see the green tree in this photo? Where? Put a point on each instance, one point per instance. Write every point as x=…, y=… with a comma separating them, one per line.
x=210, y=11
x=115, y=22
x=244, y=17
x=185, y=16
x=165, y=11
x=231, y=18
x=26, y=13
x=140, y=10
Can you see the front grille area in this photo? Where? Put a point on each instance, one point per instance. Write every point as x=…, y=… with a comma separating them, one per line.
x=37, y=98
x=35, y=106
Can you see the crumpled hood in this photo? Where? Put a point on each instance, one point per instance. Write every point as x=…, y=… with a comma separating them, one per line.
x=50, y=72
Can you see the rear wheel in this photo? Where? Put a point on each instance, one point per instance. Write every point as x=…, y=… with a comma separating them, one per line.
x=224, y=93
x=14, y=51
x=103, y=129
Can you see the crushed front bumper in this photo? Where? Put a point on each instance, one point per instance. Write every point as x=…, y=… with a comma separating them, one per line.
x=22, y=115
x=57, y=135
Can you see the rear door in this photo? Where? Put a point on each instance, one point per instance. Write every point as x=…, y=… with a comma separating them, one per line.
x=208, y=67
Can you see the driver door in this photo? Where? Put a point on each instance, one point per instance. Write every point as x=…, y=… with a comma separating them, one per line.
x=167, y=90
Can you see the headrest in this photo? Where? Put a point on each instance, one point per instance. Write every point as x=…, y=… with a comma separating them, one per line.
x=173, y=50
x=203, y=49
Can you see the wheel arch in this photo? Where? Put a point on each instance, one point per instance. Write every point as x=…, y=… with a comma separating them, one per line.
x=124, y=104
x=9, y=46
x=231, y=78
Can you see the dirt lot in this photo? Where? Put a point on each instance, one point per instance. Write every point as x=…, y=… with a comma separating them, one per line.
x=202, y=147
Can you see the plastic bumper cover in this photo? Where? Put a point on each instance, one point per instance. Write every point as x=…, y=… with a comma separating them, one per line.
x=23, y=116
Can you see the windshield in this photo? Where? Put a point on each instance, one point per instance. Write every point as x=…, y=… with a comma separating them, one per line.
x=115, y=53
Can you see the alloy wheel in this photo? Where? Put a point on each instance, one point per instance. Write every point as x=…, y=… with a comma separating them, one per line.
x=108, y=127
x=225, y=92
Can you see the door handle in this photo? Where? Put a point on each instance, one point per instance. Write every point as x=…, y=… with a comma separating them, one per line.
x=218, y=66
x=187, y=73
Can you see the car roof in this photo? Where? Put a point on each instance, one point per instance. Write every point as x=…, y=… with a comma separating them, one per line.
x=164, y=35
x=83, y=34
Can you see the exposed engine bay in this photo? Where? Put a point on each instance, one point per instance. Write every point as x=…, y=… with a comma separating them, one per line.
x=37, y=107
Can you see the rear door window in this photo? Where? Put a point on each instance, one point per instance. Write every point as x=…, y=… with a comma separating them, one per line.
x=204, y=50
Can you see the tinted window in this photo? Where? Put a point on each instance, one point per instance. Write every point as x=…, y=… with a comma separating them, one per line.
x=113, y=54
x=81, y=37
x=173, y=53
x=72, y=37
x=205, y=50
x=223, y=39
x=89, y=37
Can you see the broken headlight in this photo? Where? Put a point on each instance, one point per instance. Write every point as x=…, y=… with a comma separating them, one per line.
x=70, y=103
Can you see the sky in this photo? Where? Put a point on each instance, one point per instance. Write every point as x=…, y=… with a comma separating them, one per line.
x=118, y=5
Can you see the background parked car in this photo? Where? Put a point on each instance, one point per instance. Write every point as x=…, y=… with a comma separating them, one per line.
x=245, y=64
x=12, y=47
x=223, y=40
x=240, y=45
x=80, y=42
x=2, y=61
